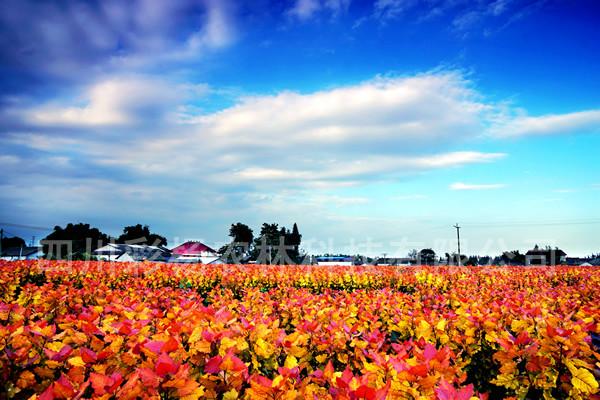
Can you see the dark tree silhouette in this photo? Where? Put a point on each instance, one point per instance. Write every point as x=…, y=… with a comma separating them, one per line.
x=75, y=241
x=138, y=234
x=426, y=256
x=241, y=241
x=14, y=241
x=241, y=233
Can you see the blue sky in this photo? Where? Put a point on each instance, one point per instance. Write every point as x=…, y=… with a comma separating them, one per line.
x=373, y=125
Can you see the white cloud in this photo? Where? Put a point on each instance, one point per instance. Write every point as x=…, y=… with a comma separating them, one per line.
x=368, y=167
x=76, y=40
x=582, y=121
x=470, y=186
x=389, y=9
x=307, y=9
x=385, y=128
x=8, y=160
x=115, y=101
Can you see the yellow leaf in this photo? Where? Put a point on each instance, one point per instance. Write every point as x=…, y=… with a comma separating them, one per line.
x=423, y=330
x=441, y=325
x=518, y=325
x=77, y=361
x=230, y=395
x=277, y=381
x=196, y=335
x=290, y=362
x=321, y=358
x=226, y=344
x=55, y=346
x=582, y=379
x=263, y=349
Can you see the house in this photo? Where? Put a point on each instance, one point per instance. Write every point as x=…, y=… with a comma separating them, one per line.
x=399, y=261
x=131, y=252
x=22, y=253
x=334, y=260
x=195, y=252
x=547, y=256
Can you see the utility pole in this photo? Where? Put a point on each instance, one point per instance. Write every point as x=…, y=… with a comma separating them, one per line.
x=458, y=242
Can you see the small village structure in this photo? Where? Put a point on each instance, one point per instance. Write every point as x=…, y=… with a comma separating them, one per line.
x=334, y=260
x=195, y=252
x=547, y=256
x=132, y=252
x=22, y=253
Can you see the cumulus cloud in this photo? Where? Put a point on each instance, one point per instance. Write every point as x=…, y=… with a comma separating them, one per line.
x=380, y=129
x=116, y=101
x=471, y=186
x=384, y=129
x=387, y=128
x=523, y=125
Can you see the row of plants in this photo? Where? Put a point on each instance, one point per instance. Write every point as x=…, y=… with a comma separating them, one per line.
x=150, y=330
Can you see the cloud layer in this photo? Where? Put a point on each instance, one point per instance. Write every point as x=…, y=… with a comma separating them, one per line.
x=73, y=39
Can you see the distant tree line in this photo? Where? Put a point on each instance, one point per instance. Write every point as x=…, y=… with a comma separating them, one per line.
x=273, y=245
x=78, y=241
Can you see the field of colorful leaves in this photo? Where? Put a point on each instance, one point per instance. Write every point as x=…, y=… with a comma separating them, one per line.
x=99, y=330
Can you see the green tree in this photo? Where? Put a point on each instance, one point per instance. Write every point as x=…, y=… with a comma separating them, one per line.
x=241, y=233
x=73, y=242
x=138, y=234
x=426, y=256
x=14, y=241
x=263, y=249
x=295, y=239
x=241, y=241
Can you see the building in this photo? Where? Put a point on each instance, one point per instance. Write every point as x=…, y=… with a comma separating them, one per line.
x=547, y=256
x=397, y=261
x=195, y=252
x=132, y=252
x=22, y=253
x=334, y=260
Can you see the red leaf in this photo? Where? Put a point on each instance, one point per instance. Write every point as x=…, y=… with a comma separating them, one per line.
x=430, y=352
x=365, y=392
x=154, y=346
x=419, y=370
x=213, y=365
x=232, y=363
x=62, y=388
x=62, y=354
x=99, y=383
x=523, y=338
x=87, y=355
x=445, y=391
x=171, y=345
x=149, y=378
x=48, y=394
x=165, y=365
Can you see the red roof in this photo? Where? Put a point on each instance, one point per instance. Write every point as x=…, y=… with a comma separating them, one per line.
x=192, y=248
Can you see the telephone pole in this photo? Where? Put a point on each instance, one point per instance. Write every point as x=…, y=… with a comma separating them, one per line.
x=458, y=241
